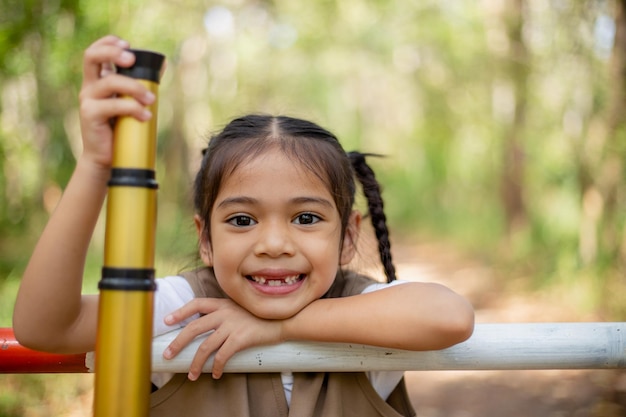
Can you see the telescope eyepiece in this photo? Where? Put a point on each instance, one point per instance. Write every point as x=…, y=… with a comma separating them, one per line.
x=147, y=65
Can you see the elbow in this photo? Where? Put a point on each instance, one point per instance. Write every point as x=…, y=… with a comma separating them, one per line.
x=22, y=335
x=31, y=337
x=460, y=325
x=23, y=330
x=455, y=324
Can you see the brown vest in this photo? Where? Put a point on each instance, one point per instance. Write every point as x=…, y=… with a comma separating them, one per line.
x=315, y=394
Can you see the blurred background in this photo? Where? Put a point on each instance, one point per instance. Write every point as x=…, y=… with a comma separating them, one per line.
x=502, y=123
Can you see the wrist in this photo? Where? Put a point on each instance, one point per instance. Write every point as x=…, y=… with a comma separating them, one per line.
x=90, y=169
x=285, y=330
x=299, y=326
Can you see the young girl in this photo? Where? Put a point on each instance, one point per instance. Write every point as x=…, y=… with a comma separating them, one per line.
x=274, y=214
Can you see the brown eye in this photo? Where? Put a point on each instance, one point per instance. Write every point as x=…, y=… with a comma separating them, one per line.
x=241, y=221
x=307, y=218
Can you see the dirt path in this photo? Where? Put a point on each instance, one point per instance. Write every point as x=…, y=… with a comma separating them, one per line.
x=511, y=394
x=549, y=393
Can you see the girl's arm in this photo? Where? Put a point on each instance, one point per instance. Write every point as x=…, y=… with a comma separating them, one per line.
x=412, y=316
x=50, y=312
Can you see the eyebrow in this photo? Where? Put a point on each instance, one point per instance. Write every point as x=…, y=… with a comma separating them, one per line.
x=237, y=200
x=243, y=200
x=313, y=200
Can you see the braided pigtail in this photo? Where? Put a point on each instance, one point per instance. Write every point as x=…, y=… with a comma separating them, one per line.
x=371, y=189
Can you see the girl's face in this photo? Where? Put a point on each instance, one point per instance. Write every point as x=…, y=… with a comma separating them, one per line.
x=276, y=237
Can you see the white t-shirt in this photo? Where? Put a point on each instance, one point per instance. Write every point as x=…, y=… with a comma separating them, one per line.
x=174, y=291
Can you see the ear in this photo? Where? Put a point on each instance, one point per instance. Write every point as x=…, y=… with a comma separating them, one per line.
x=350, y=238
x=206, y=254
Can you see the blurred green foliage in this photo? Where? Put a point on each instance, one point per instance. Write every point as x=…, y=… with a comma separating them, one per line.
x=437, y=87
x=457, y=94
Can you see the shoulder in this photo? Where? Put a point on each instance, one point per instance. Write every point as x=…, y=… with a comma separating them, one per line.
x=172, y=292
x=375, y=286
x=175, y=291
x=348, y=283
x=203, y=283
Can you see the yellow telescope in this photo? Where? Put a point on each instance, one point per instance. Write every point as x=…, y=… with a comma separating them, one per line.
x=124, y=340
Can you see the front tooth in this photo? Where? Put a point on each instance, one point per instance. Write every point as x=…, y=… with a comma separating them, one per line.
x=276, y=282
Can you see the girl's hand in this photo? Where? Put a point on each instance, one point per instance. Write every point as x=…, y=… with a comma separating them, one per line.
x=235, y=329
x=100, y=99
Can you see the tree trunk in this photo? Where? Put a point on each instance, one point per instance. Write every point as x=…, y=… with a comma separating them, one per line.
x=610, y=177
x=602, y=236
x=516, y=70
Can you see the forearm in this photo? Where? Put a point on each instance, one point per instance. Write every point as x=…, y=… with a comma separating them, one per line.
x=412, y=316
x=49, y=304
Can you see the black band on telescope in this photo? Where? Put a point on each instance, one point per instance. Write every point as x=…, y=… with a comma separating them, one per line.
x=147, y=66
x=133, y=177
x=127, y=279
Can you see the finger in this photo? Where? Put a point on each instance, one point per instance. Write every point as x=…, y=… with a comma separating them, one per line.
x=108, y=50
x=115, y=85
x=103, y=96
x=206, y=348
x=188, y=334
x=101, y=111
x=195, y=306
x=223, y=355
x=107, y=69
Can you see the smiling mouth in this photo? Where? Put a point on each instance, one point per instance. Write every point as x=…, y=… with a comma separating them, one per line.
x=276, y=282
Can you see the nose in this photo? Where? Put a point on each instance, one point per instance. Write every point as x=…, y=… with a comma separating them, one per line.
x=274, y=240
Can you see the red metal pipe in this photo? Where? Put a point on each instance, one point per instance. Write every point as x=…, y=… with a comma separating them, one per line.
x=17, y=359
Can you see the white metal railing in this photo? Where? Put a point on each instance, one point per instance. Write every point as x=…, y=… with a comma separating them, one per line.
x=502, y=346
